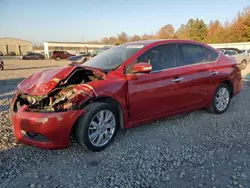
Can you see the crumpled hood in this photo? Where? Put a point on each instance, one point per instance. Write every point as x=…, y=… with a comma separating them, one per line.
x=43, y=82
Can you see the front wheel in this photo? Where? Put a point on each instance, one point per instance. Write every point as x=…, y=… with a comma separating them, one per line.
x=97, y=127
x=221, y=99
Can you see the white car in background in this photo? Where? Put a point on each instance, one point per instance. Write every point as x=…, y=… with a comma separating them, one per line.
x=241, y=58
x=246, y=51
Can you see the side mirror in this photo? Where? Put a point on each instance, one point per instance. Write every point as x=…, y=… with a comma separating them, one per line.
x=142, y=68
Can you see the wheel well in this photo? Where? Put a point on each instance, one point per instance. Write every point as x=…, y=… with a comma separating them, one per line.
x=230, y=85
x=113, y=102
x=108, y=100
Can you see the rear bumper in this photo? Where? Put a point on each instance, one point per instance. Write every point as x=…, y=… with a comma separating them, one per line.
x=237, y=85
x=51, y=130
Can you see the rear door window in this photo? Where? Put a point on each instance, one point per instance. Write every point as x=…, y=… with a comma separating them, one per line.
x=212, y=55
x=192, y=54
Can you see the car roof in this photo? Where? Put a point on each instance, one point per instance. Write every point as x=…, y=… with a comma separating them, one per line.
x=155, y=41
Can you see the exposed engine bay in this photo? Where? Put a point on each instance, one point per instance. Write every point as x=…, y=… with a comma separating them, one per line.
x=67, y=95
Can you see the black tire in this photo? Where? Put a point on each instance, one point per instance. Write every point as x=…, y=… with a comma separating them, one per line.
x=83, y=122
x=58, y=58
x=212, y=108
x=1, y=67
x=243, y=64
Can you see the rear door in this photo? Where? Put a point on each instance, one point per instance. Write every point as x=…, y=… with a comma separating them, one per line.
x=196, y=71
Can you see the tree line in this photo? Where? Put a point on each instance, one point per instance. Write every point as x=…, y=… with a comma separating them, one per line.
x=238, y=30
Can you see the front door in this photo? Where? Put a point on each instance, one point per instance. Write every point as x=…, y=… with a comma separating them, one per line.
x=159, y=92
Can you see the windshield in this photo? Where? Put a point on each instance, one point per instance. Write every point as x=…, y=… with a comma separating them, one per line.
x=96, y=51
x=114, y=57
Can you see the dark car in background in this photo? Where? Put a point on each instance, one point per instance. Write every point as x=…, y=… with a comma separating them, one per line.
x=83, y=57
x=58, y=55
x=78, y=59
x=99, y=50
x=32, y=56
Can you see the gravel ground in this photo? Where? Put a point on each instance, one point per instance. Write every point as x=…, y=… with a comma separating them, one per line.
x=196, y=149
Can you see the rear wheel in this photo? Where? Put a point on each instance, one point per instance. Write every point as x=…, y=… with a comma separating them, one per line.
x=1, y=67
x=58, y=58
x=97, y=127
x=221, y=99
x=243, y=64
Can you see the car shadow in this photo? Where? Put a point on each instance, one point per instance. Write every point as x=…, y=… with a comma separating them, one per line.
x=27, y=68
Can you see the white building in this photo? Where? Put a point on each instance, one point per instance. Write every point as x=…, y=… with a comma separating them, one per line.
x=71, y=47
x=17, y=46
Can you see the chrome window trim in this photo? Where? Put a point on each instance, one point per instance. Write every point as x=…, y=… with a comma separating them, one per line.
x=207, y=62
x=173, y=68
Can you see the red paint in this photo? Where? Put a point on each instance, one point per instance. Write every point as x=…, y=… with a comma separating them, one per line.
x=60, y=54
x=142, y=97
x=54, y=126
x=43, y=82
x=142, y=68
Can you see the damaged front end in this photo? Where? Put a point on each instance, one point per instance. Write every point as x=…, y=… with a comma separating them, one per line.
x=69, y=94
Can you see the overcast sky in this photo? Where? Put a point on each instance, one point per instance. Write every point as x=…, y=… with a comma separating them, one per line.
x=70, y=20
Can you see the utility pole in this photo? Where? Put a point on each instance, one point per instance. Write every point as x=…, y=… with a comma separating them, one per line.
x=82, y=39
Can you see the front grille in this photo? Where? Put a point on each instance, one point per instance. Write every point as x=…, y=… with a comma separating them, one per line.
x=34, y=136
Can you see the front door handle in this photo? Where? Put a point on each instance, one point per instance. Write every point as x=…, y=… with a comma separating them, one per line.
x=214, y=73
x=177, y=79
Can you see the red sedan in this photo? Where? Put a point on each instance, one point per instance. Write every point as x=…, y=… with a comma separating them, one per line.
x=127, y=85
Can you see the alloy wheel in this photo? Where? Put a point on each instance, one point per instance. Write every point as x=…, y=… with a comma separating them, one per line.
x=101, y=128
x=222, y=99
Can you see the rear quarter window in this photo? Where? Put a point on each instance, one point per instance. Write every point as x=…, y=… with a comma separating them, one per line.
x=212, y=54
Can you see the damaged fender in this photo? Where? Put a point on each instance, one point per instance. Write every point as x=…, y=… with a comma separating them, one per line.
x=47, y=92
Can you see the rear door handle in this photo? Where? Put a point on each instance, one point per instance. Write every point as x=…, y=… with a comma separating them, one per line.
x=177, y=79
x=214, y=73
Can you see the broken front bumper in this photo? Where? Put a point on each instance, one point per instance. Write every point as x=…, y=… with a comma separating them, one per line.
x=43, y=130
